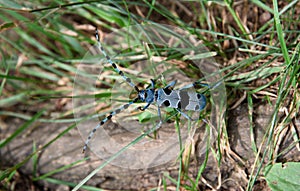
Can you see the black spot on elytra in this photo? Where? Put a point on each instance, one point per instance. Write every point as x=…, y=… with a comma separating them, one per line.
x=199, y=96
x=156, y=94
x=167, y=91
x=179, y=105
x=166, y=103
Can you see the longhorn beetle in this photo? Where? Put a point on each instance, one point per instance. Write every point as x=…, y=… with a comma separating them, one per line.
x=164, y=97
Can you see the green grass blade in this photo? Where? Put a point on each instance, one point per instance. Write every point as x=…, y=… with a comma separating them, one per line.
x=280, y=34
